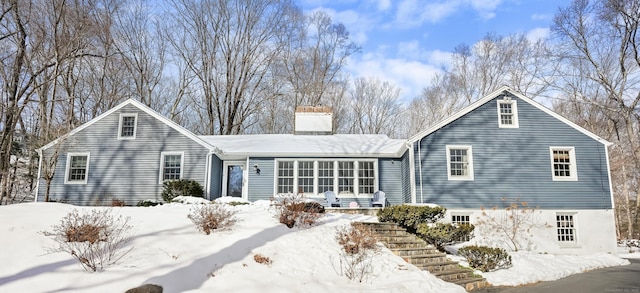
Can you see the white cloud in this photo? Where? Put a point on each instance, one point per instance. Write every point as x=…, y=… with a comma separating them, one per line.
x=540, y=17
x=357, y=25
x=413, y=13
x=383, y=5
x=538, y=34
x=413, y=51
x=409, y=75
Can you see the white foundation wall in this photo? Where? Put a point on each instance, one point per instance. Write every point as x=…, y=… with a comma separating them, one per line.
x=594, y=230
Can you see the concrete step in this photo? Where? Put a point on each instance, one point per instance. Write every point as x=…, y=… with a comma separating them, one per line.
x=427, y=250
x=405, y=244
x=453, y=275
x=438, y=267
x=427, y=259
x=472, y=283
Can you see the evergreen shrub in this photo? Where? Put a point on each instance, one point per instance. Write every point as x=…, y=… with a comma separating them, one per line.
x=485, y=258
x=183, y=187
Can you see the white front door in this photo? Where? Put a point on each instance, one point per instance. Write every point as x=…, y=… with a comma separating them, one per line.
x=234, y=179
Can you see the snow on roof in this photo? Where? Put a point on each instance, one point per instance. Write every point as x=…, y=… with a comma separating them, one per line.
x=337, y=145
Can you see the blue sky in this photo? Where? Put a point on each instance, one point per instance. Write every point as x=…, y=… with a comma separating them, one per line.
x=407, y=42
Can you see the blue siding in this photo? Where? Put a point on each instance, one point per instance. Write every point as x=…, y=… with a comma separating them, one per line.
x=390, y=179
x=512, y=162
x=261, y=185
x=215, y=179
x=127, y=170
x=406, y=176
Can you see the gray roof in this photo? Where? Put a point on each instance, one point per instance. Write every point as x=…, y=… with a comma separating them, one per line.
x=290, y=145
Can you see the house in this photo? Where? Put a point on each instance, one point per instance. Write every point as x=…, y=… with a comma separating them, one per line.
x=504, y=146
x=129, y=151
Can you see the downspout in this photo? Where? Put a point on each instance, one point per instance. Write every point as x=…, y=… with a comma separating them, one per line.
x=38, y=179
x=207, y=175
x=420, y=168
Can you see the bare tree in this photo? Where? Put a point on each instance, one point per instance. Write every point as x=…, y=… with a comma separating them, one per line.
x=599, y=49
x=229, y=47
x=376, y=107
x=137, y=39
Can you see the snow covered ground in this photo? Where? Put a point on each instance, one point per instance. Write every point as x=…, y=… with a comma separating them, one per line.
x=168, y=250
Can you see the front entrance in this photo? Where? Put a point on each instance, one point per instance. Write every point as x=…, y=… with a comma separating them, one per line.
x=234, y=179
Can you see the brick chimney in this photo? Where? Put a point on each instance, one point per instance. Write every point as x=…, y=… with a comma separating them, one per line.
x=313, y=120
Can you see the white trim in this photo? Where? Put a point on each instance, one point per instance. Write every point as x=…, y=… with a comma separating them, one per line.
x=573, y=166
x=514, y=113
x=135, y=126
x=39, y=174
x=568, y=244
x=145, y=109
x=161, y=173
x=493, y=95
x=469, y=149
x=225, y=176
x=412, y=173
x=335, y=161
x=68, y=165
x=606, y=155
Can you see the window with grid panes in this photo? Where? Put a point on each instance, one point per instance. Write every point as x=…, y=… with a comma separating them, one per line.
x=285, y=176
x=565, y=227
x=325, y=176
x=365, y=178
x=77, y=168
x=345, y=177
x=128, y=126
x=172, y=165
x=457, y=219
x=305, y=176
x=561, y=163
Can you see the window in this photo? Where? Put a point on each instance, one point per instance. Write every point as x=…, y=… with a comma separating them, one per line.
x=460, y=219
x=305, y=177
x=566, y=228
x=365, y=178
x=325, y=176
x=170, y=166
x=507, y=114
x=127, y=128
x=563, y=164
x=285, y=176
x=77, y=168
x=345, y=177
x=314, y=177
x=459, y=163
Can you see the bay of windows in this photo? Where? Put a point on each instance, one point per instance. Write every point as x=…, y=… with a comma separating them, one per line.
x=345, y=177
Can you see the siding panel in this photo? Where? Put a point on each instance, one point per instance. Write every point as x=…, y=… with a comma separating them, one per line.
x=390, y=179
x=127, y=170
x=512, y=163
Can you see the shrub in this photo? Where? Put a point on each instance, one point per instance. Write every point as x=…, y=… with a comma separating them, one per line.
x=209, y=217
x=358, y=247
x=117, y=203
x=147, y=203
x=174, y=188
x=408, y=216
x=293, y=211
x=441, y=234
x=485, y=258
x=514, y=222
x=261, y=259
x=237, y=203
x=95, y=239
